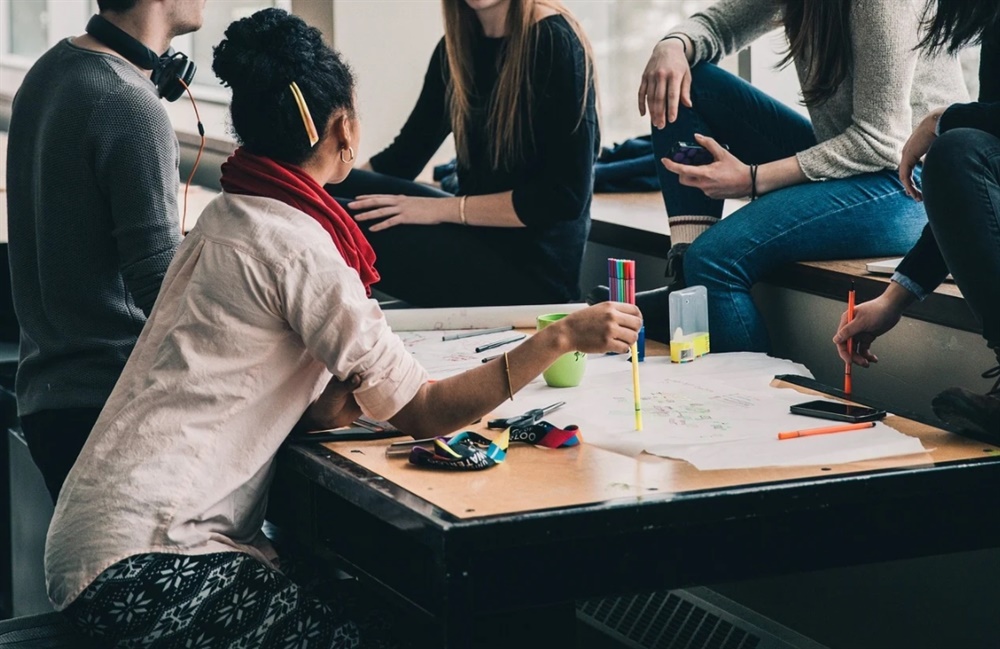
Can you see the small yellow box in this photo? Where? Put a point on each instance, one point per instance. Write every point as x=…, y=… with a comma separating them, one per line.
x=685, y=349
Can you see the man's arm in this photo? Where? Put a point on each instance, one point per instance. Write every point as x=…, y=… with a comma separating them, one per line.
x=136, y=164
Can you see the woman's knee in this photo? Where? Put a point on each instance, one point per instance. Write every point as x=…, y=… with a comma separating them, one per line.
x=958, y=156
x=707, y=76
x=705, y=263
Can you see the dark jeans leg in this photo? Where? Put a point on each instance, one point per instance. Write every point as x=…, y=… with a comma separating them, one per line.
x=961, y=185
x=55, y=438
x=443, y=265
x=360, y=182
x=755, y=127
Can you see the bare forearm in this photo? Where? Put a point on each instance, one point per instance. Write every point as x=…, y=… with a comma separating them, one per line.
x=445, y=406
x=486, y=210
x=898, y=297
x=778, y=175
x=489, y=210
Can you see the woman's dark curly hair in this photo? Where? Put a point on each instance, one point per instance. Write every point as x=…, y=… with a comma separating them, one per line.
x=259, y=58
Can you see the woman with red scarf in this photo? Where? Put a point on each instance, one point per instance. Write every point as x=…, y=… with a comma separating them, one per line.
x=263, y=321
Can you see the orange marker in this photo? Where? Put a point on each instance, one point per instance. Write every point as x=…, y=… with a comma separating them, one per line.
x=850, y=342
x=843, y=428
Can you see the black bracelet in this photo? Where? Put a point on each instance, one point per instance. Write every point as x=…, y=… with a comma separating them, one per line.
x=753, y=182
x=676, y=37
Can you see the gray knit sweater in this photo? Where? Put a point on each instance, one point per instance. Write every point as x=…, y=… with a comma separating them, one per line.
x=864, y=126
x=92, y=179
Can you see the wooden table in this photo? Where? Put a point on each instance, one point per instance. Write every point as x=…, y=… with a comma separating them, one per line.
x=524, y=539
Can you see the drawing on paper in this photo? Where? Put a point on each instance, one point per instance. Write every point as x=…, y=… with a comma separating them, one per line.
x=673, y=409
x=413, y=339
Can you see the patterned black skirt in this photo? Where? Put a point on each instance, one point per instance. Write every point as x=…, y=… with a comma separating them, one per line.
x=216, y=601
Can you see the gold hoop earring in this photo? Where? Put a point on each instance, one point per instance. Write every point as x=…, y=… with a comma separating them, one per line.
x=350, y=150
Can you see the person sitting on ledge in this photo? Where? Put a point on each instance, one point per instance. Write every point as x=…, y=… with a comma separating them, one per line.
x=821, y=188
x=513, y=81
x=960, y=147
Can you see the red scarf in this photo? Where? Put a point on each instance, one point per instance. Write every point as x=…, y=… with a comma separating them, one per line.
x=253, y=175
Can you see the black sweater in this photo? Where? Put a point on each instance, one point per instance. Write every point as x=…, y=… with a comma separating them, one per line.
x=924, y=264
x=552, y=188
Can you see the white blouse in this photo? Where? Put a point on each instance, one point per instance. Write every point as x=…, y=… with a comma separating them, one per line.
x=256, y=312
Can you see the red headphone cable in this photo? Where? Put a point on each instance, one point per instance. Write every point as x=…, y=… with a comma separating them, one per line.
x=197, y=160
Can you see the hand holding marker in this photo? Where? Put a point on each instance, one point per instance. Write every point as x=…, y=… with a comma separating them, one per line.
x=621, y=279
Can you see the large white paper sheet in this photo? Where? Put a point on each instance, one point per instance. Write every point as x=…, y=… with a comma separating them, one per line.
x=444, y=358
x=718, y=412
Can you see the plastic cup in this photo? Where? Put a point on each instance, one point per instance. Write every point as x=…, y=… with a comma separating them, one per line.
x=567, y=370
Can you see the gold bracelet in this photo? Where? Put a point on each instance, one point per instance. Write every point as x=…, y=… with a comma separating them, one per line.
x=506, y=367
x=461, y=210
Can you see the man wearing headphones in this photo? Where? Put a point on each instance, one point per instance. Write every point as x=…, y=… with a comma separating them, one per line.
x=92, y=180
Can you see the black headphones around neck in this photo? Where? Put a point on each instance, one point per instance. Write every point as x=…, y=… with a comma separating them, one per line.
x=169, y=70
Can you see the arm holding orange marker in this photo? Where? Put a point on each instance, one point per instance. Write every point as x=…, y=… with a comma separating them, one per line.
x=871, y=320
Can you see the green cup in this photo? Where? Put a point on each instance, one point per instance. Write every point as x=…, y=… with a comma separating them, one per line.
x=567, y=370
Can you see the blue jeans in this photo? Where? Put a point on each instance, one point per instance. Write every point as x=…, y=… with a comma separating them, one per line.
x=863, y=216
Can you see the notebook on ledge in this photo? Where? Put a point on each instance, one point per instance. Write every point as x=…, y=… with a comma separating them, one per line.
x=888, y=267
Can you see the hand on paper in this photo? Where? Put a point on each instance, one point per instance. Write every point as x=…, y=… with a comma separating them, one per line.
x=871, y=320
x=335, y=407
x=604, y=327
x=914, y=151
x=727, y=177
x=666, y=82
x=400, y=210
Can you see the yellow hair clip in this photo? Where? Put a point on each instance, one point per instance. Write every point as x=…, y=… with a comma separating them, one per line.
x=306, y=116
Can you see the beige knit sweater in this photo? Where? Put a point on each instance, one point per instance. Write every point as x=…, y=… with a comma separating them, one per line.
x=890, y=88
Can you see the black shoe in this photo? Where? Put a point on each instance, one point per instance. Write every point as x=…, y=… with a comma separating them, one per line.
x=675, y=266
x=598, y=294
x=655, y=307
x=977, y=413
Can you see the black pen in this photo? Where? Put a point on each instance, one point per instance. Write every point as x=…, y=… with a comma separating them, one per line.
x=490, y=358
x=342, y=435
x=500, y=343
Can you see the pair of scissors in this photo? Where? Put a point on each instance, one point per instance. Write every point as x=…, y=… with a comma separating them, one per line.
x=525, y=419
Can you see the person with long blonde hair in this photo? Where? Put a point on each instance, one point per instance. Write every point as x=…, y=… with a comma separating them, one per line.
x=513, y=81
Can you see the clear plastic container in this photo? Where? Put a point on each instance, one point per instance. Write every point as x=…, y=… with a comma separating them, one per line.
x=688, y=324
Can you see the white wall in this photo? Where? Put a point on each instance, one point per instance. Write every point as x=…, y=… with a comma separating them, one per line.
x=781, y=84
x=389, y=45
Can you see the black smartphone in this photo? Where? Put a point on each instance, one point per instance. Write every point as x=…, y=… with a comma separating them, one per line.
x=837, y=411
x=686, y=153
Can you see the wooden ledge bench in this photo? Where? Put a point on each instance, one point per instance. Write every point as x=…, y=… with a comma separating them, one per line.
x=833, y=279
x=635, y=222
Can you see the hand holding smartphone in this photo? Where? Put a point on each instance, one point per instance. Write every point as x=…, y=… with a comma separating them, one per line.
x=687, y=153
x=837, y=411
